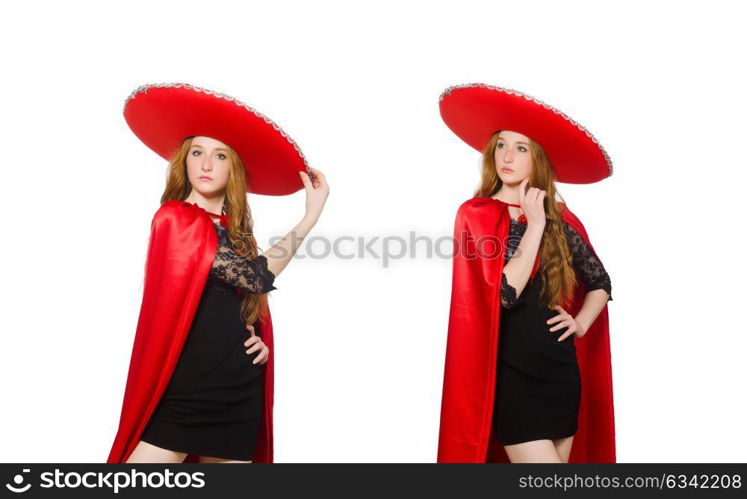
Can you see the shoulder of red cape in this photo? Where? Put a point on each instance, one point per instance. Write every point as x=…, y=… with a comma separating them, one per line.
x=177, y=210
x=173, y=217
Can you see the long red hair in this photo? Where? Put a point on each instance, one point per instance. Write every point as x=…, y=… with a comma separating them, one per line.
x=236, y=206
x=558, y=276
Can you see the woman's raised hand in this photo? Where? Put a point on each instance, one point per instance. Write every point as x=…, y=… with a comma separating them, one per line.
x=532, y=204
x=317, y=191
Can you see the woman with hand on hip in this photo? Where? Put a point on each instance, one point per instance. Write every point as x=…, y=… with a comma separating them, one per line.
x=200, y=383
x=528, y=325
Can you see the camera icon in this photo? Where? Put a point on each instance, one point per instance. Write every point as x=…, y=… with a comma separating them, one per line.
x=18, y=480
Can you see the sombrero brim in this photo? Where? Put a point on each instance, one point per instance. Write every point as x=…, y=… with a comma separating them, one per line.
x=163, y=115
x=476, y=111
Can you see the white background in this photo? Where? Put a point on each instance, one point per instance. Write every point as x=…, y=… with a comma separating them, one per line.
x=360, y=347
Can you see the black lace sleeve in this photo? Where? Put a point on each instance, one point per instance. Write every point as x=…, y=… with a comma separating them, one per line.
x=586, y=263
x=508, y=293
x=252, y=276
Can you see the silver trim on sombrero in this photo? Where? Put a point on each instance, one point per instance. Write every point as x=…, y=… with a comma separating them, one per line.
x=543, y=104
x=144, y=90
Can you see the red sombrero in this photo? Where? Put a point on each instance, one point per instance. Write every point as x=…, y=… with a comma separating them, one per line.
x=476, y=111
x=162, y=115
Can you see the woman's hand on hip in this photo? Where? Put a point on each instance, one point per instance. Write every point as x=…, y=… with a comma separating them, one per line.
x=564, y=319
x=256, y=344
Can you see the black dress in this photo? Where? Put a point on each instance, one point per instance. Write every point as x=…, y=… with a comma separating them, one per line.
x=538, y=386
x=213, y=404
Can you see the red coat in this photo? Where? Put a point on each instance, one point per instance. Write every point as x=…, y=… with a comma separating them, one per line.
x=472, y=348
x=182, y=246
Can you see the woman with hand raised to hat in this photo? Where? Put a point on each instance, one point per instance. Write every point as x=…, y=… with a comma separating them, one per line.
x=200, y=386
x=528, y=373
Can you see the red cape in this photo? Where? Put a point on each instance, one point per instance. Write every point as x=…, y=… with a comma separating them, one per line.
x=472, y=348
x=182, y=246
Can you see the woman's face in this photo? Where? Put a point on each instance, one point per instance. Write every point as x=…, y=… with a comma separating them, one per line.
x=513, y=160
x=208, y=166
